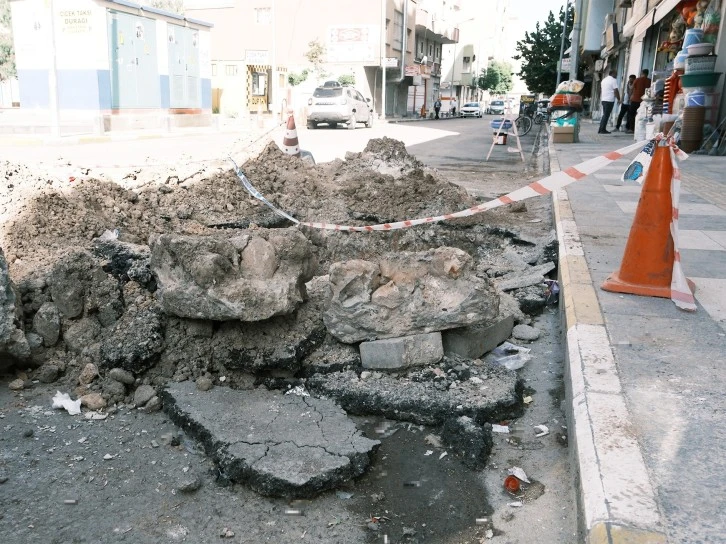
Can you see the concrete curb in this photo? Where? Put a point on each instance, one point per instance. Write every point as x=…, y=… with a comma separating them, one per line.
x=616, y=499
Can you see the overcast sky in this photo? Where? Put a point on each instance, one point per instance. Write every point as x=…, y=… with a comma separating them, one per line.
x=531, y=11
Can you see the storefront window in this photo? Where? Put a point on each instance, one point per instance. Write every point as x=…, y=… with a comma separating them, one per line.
x=259, y=84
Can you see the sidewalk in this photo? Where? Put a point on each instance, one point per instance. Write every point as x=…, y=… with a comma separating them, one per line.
x=647, y=425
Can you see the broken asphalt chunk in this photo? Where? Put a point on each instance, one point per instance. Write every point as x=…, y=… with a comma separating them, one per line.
x=279, y=445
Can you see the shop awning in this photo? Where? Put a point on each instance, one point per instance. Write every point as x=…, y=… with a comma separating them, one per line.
x=636, y=28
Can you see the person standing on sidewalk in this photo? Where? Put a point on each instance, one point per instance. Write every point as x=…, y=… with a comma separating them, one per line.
x=609, y=93
x=437, y=108
x=639, y=87
x=625, y=106
x=454, y=104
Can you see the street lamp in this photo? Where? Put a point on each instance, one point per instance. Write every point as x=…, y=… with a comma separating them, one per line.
x=562, y=45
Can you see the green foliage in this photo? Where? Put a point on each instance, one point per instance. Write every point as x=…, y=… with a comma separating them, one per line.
x=296, y=79
x=540, y=51
x=316, y=56
x=497, y=78
x=346, y=79
x=7, y=51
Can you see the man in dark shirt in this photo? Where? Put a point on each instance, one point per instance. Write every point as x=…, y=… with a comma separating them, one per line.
x=639, y=87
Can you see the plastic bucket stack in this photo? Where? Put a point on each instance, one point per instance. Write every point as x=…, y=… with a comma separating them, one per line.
x=692, y=129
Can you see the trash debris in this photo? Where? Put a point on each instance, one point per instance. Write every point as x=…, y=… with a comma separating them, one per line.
x=489, y=534
x=515, y=504
x=414, y=483
x=293, y=512
x=428, y=452
x=511, y=484
x=70, y=501
x=552, y=292
x=482, y=521
x=226, y=533
x=443, y=455
x=63, y=400
x=344, y=495
x=500, y=428
x=433, y=440
x=298, y=390
x=541, y=430
x=519, y=474
x=510, y=356
x=527, y=400
x=96, y=416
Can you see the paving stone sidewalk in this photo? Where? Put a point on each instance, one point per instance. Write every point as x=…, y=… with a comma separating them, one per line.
x=646, y=379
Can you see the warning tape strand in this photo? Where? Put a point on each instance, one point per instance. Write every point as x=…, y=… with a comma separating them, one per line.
x=544, y=186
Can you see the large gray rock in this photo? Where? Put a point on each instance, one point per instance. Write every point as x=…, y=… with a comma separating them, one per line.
x=135, y=341
x=78, y=284
x=13, y=344
x=251, y=276
x=81, y=334
x=407, y=293
x=47, y=323
x=279, y=445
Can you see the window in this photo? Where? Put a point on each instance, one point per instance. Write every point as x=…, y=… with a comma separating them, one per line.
x=467, y=64
x=230, y=70
x=398, y=30
x=420, y=49
x=431, y=51
x=263, y=16
x=438, y=51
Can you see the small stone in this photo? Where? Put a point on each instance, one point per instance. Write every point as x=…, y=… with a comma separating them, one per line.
x=526, y=333
x=153, y=405
x=121, y=375
x=93, y=401
x=144, y=394
x=34, y=340
x=3, y=478
x=204, y=383
x=226, y=533
x=189, y=483
x=154, y=444
x=88, y=374
x=114, y=389
x=16, y=385
x=408, y=531
x=28, y=433
x=47, y=373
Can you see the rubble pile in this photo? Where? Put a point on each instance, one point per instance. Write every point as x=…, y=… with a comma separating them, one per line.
x=119, y=292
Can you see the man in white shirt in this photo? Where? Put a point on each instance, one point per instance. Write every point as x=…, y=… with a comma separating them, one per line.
x=609, y=93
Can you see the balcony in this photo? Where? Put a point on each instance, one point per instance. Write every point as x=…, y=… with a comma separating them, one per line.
x=434, y=29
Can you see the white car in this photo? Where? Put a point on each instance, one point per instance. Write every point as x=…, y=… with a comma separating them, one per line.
x=471, y=109
x=497, y=107
x=332, y=104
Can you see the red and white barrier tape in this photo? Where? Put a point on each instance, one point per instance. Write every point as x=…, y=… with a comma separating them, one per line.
x=542, y=187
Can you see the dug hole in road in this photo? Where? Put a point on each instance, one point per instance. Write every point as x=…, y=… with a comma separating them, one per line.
x=215, y=350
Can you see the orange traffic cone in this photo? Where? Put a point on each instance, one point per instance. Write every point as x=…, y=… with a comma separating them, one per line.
x=290, y=144
x=647, y=266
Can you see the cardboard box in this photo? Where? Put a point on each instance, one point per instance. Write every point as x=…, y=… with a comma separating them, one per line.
x=563, y=135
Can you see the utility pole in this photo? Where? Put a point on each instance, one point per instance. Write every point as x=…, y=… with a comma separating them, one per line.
x=562, y=45
x=575, y=55
x=383, y=59
x=53, y=78
x=273, y=65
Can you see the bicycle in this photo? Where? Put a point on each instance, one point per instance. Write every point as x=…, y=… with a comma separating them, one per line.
x=523, y=124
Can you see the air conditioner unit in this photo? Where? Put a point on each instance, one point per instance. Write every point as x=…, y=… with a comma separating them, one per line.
x=625, y=4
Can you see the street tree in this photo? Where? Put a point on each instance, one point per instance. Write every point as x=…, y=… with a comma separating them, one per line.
x=316, y=56
x=497, y=78
x=539, y=52
x=7, y=52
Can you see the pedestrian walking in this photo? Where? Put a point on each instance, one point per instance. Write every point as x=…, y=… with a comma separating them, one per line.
x=609, y=93
x=454, y=104
x=625, y=106
x=639, y=87
x=437, y=108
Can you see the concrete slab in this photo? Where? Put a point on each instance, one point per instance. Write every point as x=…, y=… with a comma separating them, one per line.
x=279, y=445
x=473, y=342
x=403, y=352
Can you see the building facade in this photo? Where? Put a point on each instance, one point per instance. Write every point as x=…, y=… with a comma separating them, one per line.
x=258, y=51
x=126, y=65
x=631, y=35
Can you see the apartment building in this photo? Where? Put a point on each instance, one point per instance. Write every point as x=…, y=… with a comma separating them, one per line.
x=257, y=46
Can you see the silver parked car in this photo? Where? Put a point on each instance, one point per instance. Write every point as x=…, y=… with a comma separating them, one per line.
x=333, y=104
x=497, y=107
